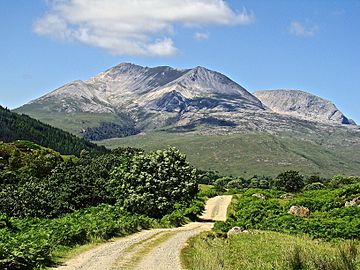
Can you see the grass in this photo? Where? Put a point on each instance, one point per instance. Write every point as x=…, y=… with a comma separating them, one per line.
x=265, y=250
x=72, y=122
x=205, y=188
x=259, y=153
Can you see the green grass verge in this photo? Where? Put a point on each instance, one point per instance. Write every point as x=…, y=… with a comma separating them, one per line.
x=264, y=250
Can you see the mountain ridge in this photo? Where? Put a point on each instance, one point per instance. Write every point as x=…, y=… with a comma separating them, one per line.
x=112, y=88
x=128, y=99
x=302, y=104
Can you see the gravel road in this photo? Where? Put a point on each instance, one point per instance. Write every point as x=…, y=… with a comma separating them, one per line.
x=156, y=249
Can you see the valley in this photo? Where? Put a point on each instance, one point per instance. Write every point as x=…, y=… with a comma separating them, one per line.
x=257, y=153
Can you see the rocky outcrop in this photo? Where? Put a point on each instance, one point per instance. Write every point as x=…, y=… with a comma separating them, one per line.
x=355, y=201
x=259, y=196
x=300, y=211
x=287, y=196
x=302, y=104
x=236, y=230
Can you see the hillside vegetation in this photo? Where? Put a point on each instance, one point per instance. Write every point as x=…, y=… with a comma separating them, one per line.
x=49, y=202
x=329, y=218
x=324, y=235
x=257, y=153
x=91, y=126
x=22, y=127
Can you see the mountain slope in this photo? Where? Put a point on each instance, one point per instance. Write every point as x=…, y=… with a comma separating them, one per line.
x=259, y=153
x=302, y=104
x=22, y=127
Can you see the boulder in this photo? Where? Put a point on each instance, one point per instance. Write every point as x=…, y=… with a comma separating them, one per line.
x=287, y=196
x=236, y=230
x=300, y=211
x=355, y=201
x=259, y=196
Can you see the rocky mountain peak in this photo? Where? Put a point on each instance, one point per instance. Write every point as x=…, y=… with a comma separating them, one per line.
x=302, y=104
x=203, y=88
x=132, y=87
x=121, y=69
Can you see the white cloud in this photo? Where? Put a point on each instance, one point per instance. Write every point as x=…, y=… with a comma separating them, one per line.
x=141, y=27
x=201, y=36
x=300, y=30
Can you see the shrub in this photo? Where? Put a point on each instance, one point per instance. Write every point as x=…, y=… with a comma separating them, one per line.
x=235, y=184
x=314, y=186
x=339, y=181
x=152, y=184
x=208, y=193
x=290, y=181
x=221, y=183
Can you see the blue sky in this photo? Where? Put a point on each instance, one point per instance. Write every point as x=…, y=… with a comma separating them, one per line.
x=310, y=45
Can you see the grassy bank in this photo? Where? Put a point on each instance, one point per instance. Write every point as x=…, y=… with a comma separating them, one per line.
x=267, y=250
x=328, y=219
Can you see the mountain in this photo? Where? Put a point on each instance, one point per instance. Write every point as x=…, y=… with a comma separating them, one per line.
x=161, y=88
x=128, y=99
x=211, y=118
x=21, y=127
x=302, y=104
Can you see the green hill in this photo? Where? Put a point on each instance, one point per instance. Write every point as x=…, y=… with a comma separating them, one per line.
x=247, y=154
x=22, y=127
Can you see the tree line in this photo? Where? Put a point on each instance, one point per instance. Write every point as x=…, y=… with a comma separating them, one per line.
x=22, y=127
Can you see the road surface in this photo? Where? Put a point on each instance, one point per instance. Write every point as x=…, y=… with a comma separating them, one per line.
x=156, y=249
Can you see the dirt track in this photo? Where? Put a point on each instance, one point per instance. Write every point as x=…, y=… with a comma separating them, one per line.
x=152, y=249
